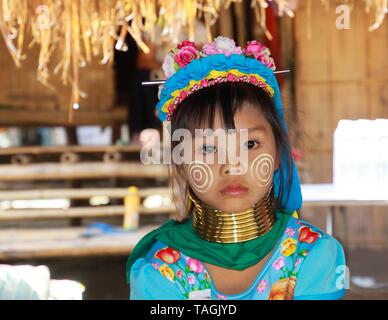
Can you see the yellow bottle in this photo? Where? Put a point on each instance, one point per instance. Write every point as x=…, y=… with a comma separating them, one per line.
x=131, y=209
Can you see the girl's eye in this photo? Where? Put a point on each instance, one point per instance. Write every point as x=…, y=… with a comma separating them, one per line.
x=250, y=144
x=209, y=148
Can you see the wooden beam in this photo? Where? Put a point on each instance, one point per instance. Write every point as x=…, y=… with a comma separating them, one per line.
x=28, y=117
x=62, y=149
x=84, y=170
x=75, y=193
x=80, y=212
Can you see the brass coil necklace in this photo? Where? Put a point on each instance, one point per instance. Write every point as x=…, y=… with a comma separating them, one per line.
x=227, y=227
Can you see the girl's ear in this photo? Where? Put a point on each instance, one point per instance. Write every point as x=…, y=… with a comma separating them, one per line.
x=179, y=185
x=181, y=172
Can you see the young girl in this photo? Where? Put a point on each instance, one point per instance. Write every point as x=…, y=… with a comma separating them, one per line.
x=239, y=235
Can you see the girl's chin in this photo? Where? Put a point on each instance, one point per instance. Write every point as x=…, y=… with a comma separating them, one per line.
x=234, y=205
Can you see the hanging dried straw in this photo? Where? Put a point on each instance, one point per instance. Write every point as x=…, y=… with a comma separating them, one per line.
x=84, y=30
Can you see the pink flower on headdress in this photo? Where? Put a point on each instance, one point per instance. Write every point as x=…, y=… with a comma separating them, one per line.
x=254, y=48
x=204, y=83
x=268, y=61
x=185, y=55
x=183, y=95
x=231, y=77
x=221, y=45
x=168, y=66
x=260, y=52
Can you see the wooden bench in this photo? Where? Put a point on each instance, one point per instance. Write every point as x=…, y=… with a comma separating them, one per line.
x=78, y=212
x=26, y=243
x=35, y=243
x=37, y=232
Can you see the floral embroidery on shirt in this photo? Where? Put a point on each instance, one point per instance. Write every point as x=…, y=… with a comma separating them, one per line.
x=284, y=288
x=288, y=246
x=155, y=265
x=193, y=280
x=195, y=265
x=190, y=273
x=190, y=279
x=307, y=235
x=290, y=231
x=279, y=263
x=262, y=286
x=167, y=272
x=168, y=255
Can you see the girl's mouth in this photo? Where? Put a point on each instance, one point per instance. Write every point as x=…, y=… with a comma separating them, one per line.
x=234, y=190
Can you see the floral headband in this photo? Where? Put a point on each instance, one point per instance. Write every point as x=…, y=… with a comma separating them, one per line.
x=188, y=69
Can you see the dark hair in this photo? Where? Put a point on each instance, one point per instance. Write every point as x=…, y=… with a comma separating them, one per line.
x=200, y=107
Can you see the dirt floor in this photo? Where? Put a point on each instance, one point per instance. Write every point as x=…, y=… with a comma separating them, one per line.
x=104, y=278
x=372, y=268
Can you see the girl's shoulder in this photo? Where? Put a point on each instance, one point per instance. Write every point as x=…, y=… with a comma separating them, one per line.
x=315, y=243
x=167, y=273
x=314, y=258
x=323, y=273
x=150, y=280
x=305, y=232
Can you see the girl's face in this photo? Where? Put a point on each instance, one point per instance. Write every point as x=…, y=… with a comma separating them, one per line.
x=221, y=184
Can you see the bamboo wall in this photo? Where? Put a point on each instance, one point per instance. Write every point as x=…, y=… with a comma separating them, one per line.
x=24, y=101
x=340, y=74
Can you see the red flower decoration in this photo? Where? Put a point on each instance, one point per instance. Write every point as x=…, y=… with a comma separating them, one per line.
x=168, y=255
x=260, y=52
x=296, y=154
x=307, y=235
x=185, y=43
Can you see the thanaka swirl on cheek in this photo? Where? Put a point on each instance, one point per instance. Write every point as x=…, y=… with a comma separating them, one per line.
x=200, y=176
x=262, y=169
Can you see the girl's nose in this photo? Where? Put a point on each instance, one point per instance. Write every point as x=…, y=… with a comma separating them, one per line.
x=236, y=168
